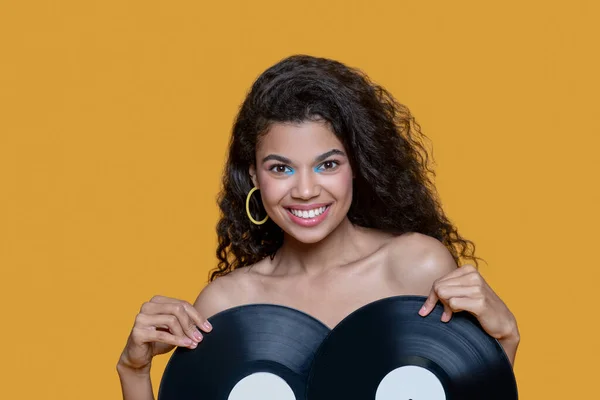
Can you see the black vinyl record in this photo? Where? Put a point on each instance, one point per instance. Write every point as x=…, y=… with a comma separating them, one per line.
x=256, y=351
x=386, y=350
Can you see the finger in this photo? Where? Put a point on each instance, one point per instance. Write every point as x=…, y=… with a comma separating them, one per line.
x=448, y=291
x=473, y=305
x=150, y=335
x=169, y=324
x=454, y=278
x=447, y=314
x=429, y=303
x=200, y=321
x=180, y=311
x=468, y=279
x=433, y=297
x=452, y=289
x=166, y=322
x=163, y=299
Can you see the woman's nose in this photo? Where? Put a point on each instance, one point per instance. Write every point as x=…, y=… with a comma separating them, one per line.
x=306, y=186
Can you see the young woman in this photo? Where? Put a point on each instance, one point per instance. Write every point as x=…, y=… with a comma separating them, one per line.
x=327, y=205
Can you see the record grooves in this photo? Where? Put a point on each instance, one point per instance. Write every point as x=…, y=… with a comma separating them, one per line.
x=385, y=350
x=246, y=340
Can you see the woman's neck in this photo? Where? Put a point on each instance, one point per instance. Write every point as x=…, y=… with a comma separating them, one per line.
x=338, y=248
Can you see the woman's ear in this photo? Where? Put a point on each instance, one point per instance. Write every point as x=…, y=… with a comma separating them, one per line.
x=252, y=172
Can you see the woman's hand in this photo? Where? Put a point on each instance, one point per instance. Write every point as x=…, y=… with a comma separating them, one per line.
x=464, y=289
x=162, y=324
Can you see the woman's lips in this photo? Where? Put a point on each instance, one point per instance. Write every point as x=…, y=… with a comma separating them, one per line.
x=310, y=221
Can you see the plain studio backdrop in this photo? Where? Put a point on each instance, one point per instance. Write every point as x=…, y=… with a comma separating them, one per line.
x=114, y=123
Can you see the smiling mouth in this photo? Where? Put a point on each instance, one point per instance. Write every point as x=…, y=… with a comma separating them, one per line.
x=308, y=214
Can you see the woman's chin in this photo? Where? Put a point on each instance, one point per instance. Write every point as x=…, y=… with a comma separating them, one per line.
x=305, y=235
x=309, y=230
x=309, y=235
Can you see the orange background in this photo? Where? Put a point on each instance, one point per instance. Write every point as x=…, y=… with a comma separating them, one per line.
x=114, y=121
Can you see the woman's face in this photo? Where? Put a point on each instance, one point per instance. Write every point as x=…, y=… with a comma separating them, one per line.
x=305, y=179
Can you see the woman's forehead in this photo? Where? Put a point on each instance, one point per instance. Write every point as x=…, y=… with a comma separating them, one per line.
x=298, y=140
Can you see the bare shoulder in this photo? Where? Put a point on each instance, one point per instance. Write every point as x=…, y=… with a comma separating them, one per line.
x=224, y=292
x=416, y=261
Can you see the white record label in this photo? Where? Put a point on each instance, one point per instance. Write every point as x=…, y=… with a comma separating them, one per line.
x=262, y=386
x=410, y=383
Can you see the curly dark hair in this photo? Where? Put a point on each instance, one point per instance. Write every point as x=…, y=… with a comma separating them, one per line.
x=392, y=190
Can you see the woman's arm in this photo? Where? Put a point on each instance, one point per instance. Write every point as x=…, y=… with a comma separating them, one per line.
x=464, y=289
x=424, y=266
x=182, y=318
x=135, y=385
x=510, y=344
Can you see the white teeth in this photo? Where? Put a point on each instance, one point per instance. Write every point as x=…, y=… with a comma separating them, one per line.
x=308, y=213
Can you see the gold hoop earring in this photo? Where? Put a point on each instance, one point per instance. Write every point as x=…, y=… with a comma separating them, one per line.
x=255, y=222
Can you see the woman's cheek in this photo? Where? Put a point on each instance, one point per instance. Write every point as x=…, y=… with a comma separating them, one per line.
x=342, y=183
x=268, y=192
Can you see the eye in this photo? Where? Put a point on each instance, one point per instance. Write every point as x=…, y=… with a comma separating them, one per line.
x=327, y=166
x=281, y=169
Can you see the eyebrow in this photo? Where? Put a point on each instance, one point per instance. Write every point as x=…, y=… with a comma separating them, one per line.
x=334, y=152
x=319, y=158
x=277, y=158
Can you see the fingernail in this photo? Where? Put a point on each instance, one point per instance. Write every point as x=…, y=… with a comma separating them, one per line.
x=187, y=342
x=207, y=325
x=197, y=336
x=193, y=345
x=444, y=316
x=422, y=310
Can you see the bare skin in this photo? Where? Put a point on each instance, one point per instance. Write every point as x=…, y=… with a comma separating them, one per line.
x=371, y=274
x=371, y=270
x=327, y=270
x=412, y=264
